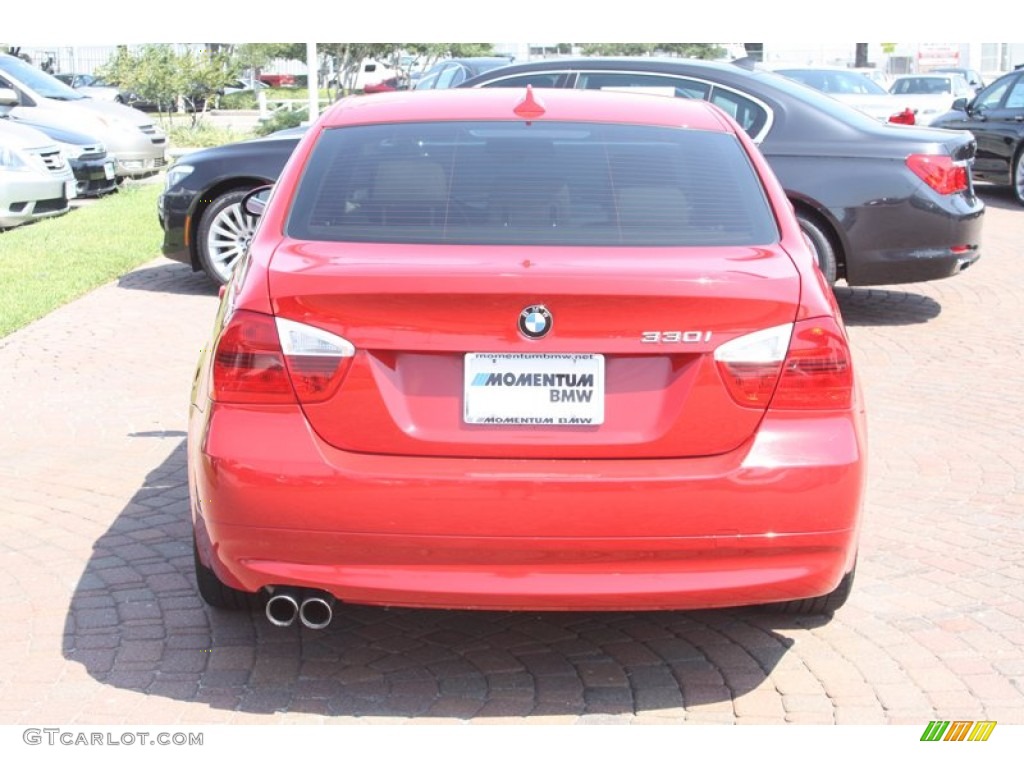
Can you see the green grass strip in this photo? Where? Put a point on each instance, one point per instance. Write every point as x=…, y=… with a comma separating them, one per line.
x=47, y=264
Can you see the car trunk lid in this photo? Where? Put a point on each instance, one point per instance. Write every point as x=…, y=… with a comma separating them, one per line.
x=637, y=328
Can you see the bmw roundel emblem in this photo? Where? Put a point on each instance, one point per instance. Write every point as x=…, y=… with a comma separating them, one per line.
x=535, y=321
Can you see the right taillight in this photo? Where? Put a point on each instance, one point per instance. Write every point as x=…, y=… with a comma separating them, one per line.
x=262, y=359
x=818, y=372
x=940, y=172
x=805, y=365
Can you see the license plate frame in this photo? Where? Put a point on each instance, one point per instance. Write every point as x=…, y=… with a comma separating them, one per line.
x=534, y=389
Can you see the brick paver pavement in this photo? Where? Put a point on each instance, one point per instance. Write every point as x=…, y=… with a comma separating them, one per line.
x=102, y=625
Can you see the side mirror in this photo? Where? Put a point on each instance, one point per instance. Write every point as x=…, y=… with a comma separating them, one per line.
x=255, y=203
x=960, y=105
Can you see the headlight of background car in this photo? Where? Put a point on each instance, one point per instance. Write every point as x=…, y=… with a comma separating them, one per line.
x=11, y=160
x=177, y=174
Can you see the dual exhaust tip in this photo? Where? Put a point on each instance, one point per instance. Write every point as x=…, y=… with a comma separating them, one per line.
x=314, y=610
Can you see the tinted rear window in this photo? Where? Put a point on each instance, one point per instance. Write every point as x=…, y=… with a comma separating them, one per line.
x=530, y=184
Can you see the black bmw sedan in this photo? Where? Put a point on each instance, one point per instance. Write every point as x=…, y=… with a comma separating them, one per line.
x=880, y=203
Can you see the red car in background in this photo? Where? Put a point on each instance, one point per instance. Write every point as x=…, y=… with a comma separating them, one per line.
x=384, y=86
x=278, y=81
x=489, y=350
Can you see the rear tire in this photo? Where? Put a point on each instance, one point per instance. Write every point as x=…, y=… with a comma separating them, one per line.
x=820, y=245
x=825, y=605
x=216, y=593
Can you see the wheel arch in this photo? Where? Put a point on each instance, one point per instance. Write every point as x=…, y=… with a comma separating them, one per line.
x=829, y=227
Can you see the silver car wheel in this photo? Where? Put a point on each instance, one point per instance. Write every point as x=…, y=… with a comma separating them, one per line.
x=224, y=235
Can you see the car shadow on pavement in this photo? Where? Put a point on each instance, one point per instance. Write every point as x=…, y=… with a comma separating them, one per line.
x=998, y=196
x=169, y=277
x=136, y=622
x=885, y=307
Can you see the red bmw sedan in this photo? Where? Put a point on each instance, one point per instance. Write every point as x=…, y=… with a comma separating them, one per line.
x=516, y=350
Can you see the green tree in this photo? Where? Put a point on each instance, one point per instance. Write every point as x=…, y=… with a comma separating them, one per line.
x=256, y=56
x=159, y=73
x=343, y=59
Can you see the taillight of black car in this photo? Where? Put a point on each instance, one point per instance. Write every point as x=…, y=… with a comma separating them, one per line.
x=941, y=172
x=906, y=117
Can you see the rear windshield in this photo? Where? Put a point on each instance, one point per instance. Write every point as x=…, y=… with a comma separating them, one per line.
x=521, y=183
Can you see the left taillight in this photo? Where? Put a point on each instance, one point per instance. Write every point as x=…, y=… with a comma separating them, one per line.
x=262, y=359
x=940, y=172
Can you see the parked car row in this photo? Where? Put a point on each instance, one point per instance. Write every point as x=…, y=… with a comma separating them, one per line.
x=43, y=167
x=136, y=145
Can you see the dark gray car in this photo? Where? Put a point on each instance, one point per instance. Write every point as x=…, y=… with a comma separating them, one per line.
x=881, y=203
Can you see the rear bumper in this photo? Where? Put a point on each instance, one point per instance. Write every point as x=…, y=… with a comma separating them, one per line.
x=917, y=266
x=138, y=156
x=775, y=520
x=892, y=227
x=924, y=238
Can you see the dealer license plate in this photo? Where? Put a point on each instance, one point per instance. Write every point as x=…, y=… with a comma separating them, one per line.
x=108, y=170
x=70, y=190
x=534, y=389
